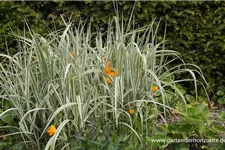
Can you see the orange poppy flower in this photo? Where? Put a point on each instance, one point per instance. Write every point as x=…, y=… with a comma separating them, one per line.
x=51, y=130
x=108, y=80
x=107, y=70
x=155, y=88
x=131, y=111
x=112, y=74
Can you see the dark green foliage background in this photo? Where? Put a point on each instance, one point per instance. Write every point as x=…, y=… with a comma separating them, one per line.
x=195, y=29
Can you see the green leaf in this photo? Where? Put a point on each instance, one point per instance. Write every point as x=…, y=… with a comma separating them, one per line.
x=217, y=129
x=182, y=90
x=221, y=100
x=202, y=98
x=186, y=128
x=192, y=111
x=157, y=94
x=189, y=97
x=220, y=93
x=203, y=110
x=210, y=122
x=221, y=115
x=194, y=120
x=170, y=96
x=209, y=133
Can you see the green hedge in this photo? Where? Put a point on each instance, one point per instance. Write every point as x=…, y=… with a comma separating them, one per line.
x=196, y=29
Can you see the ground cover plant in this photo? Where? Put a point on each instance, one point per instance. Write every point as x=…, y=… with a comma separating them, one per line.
x=75, y=89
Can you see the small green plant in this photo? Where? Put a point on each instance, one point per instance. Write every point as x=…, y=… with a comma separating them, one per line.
x=196, y=127
x=221, y=94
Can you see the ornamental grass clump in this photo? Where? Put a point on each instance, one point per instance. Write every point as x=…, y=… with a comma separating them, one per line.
x=81, y=81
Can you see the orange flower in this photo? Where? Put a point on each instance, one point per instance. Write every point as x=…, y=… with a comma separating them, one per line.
x=107, y=70
x=116, y=72
x=155, y=88
x=108, y=80
x=112, y=74
x=131, y=111
x=72, y=54
x=51, y=130
x=109, y=64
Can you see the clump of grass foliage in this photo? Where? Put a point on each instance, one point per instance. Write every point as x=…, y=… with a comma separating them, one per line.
x=59, y=80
